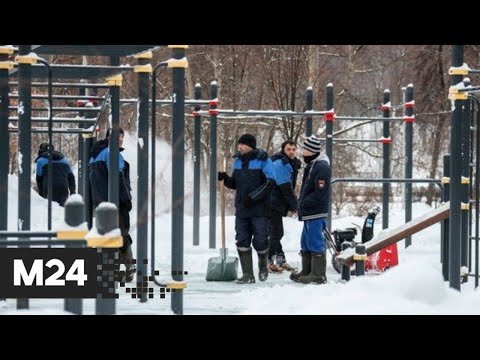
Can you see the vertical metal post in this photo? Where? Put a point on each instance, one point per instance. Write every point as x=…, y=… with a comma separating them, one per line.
x=455, y=177
x=409, y=120
x=106, y=220
x=477, y=197
x=74, y=216
x=82, y=162
x=24, y=144
x=464, y=248
x=178, y=170
x=445, y=223
x=144, y=69
x=329, y=145
x=386, y=158
x=359, y=257
x=345, y=268
x=115, y=83
x=213, y=165
x=309, y=107
x=87, y=197
x=5, y=66
x=197, y=121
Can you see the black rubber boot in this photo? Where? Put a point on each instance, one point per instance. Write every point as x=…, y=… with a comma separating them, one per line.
x=306, y=267
x=247, y=267
x=263, y=265
x=130, y=268
x=319, y=267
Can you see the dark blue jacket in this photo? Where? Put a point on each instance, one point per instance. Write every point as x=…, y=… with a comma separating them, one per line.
x=253, y=177
x=283, y=195
x=63, y=179
x=98, y=173
x=315, y=193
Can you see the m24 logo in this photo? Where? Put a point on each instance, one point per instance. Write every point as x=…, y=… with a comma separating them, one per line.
x=76, y=273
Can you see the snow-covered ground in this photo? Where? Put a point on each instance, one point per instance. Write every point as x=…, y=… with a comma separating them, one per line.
x=414, y=287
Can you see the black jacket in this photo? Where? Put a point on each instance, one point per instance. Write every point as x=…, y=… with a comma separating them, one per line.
x=253, y=177
x=98, y=174
x=315, y=194
x=286, y=171
x=63, y=179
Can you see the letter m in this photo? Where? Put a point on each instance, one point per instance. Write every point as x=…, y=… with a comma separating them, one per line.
x=19, y=273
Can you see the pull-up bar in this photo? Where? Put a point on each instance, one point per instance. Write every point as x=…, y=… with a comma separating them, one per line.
x=73, y=85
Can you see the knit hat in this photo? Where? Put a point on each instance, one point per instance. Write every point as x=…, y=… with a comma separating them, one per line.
x=249, y=140
x=43, y=148
x=312, y=144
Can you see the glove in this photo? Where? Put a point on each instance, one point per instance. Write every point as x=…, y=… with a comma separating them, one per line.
x=222, y=176
x=129, y=205
x=248, y=202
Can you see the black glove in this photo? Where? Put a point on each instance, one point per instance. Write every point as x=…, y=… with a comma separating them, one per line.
x=222, y=176
x=129, y=205
x=248, y=202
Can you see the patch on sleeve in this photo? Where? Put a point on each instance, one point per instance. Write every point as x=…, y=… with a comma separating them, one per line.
x=321, y=184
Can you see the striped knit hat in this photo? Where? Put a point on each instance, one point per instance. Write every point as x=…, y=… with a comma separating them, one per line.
x=312, y=144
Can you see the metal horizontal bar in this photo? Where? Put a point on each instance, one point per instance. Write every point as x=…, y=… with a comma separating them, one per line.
x=469, y=89
x=92, y=50
x=384, y=181
x=58, y=84
x=58, y=120
x=167, y=102
x=77, y=242
x=44, y=130
x=267, y=113
x=354, y=140
x=27, y=234
x=62, y=97
x=367, y=118
x=62, y=108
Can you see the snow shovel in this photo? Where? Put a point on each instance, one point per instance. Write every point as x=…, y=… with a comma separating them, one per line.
x=223, y=267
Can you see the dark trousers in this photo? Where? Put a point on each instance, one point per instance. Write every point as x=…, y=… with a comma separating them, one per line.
x=124, y=225
x=276, y=234
x=252, y=230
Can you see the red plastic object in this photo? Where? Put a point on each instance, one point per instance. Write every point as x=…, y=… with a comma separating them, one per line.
x=329, y=116
x=383, y=259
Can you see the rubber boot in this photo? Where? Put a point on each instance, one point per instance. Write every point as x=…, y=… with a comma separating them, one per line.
x=263, y=265
x=319, y=267
x=247, y=267
x=306, y=267
x=130, y=268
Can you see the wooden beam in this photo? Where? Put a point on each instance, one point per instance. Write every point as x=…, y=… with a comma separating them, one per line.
x=393, y=236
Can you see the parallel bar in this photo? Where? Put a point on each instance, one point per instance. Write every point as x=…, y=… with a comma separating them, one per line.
x=62, y=108
x=367, y=118
x=343, y=140
x=408, y=159
x=63, y=97
x=24, y=149
x=142, y=163
x=27, y=234
x=161, y=102
x=56, y=120
x=196, y=168
x=446, y=222
x=213, y=169
x=386, y=161
x=25, y=243
x=309, y=108
x=455, y=177
x=329, y=147
x=4, y=146
x=44, y=130
x=267, y=113
x=178, y=176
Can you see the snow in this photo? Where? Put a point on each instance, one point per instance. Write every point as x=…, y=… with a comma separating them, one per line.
x=310, y=88
x=213, y=83
x=414, y=287
x=140, y=142
x=20, y=158
x=386, y=90
x=76, y=198
x=329, y=85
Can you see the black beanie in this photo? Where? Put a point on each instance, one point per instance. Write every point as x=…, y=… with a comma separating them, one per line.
x=248, y=140
x=44, y=148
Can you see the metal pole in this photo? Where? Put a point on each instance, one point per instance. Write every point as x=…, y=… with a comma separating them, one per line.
x=106, y=219
x=24, y=145
x=114, y=153
x=144, y=70
x=360, y=253
x=74, y=216
x=82, y=162
x=464, y=251
x=197, y=120
x=455, y=177
x=213, y=166
x=446, y=222
x=309, y=107
x=386, y=159
x=87, y=197
x=329, y=146
x=408, y=156
x=477, y=197
x=345, y=268
x=50, y=143
x=178, y=171
x=4, y=139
